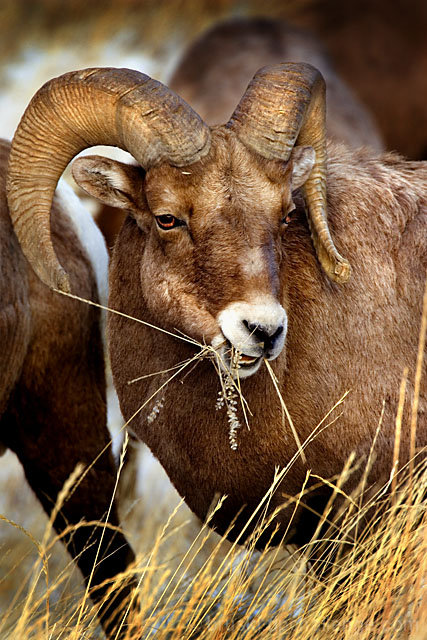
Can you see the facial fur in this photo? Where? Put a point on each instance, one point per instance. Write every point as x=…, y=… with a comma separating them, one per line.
x=213, y=243
x=218, y=273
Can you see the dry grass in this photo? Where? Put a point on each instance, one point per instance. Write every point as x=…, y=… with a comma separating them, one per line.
x=376, y=590
x=194, y=584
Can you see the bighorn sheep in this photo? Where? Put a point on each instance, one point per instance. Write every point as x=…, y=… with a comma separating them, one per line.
x=52, y=388
x=215, y=248
x=380, y=49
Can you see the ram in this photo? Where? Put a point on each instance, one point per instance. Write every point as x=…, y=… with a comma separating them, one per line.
x=219, y=249
x=52, y=389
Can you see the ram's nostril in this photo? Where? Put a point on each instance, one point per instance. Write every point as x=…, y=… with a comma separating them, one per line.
x=277, y=333
x=257, y=330
x=271, y=341
x=266, y=336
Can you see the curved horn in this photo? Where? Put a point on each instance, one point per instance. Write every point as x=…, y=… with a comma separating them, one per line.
x=78, y=110
x=283, y=105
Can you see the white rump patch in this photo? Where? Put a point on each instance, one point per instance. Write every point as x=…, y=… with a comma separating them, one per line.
x=94, y=246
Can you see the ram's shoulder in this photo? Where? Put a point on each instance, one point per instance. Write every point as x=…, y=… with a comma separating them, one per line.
x=375, y=193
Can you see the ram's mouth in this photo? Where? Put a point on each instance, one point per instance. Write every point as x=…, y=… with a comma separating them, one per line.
x=234, y=362
x=239, y=360
x=246, y=361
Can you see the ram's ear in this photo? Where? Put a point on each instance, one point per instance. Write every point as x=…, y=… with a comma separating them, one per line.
x=114, y=183
x=303, y=159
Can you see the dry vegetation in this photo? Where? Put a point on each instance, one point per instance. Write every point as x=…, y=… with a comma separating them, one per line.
x=376, y=590
x=194, y=584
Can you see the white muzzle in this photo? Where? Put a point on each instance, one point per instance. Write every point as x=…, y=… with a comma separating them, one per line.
x=250, y=332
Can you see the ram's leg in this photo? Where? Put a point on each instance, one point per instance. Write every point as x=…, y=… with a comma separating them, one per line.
x=52, y=427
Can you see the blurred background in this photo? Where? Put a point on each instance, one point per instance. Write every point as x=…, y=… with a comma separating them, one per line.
x=377, y=48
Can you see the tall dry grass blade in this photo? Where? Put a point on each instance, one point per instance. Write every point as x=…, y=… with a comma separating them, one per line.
x=40, y=554
x=214, y=508
x=336, y=491
x=43, y=558
x=125, y=315
x=107, y=517
x=159, y=373
x=223, y=371
x=395, y=470
x=286, y=412
x=153, y=553
x=397, y=433
x=417, y=381
x=420, y=609
x=279, y=474
x=368, y=466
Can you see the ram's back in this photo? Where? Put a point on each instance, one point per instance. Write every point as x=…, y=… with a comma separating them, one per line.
x=15, y=315
x=214, y=72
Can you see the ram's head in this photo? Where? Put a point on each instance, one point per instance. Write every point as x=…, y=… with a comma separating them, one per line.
x=212, y=203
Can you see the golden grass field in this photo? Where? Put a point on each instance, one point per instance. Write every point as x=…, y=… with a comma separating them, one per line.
x=192, y=583
x=210, y=589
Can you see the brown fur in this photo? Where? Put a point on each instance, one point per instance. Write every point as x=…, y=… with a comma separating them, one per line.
x=358, y=337
x=109, y=220
x=52, y=395
x=380, y=49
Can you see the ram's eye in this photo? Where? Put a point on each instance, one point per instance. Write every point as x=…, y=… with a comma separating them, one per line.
x=167, y=221
x=287, y=219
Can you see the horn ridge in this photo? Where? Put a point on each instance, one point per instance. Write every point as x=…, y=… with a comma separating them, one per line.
x=284, y=105
x=80, y=109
